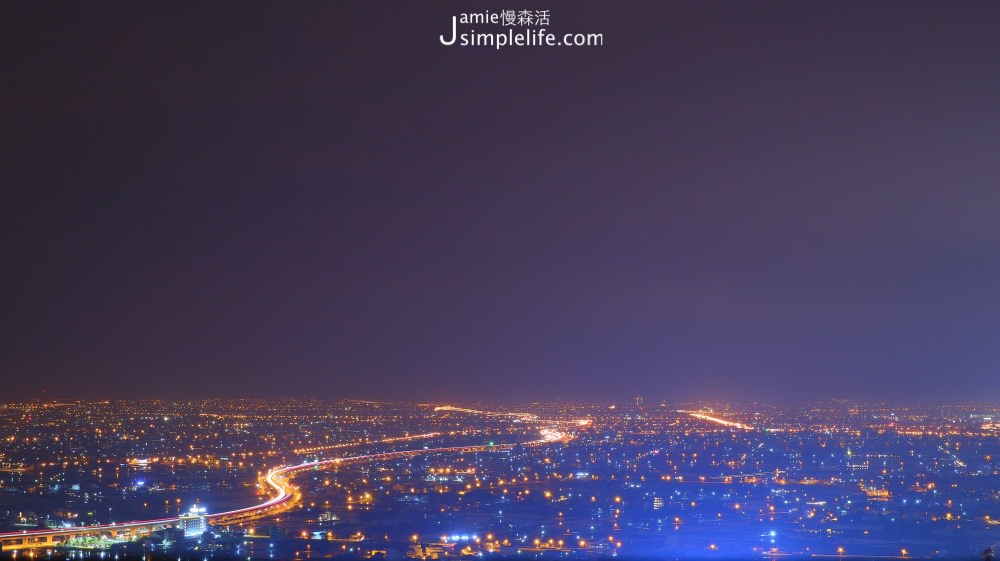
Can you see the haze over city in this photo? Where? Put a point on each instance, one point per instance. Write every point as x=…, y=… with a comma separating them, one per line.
x=761, y=201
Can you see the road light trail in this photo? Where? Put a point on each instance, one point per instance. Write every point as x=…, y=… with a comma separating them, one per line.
x=522, y=416
x=525, y=417
x=717, y=420
x=386, y=440
x=287, y=494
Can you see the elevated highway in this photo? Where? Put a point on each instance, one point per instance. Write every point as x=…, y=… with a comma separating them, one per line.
x=33, y=539
x=284, y=495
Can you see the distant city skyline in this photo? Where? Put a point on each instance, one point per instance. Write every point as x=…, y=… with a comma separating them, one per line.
x=773, y=201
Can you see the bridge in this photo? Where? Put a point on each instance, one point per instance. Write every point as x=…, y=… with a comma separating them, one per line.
x=33, y=539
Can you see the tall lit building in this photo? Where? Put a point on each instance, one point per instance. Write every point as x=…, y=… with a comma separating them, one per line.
x=193, y=522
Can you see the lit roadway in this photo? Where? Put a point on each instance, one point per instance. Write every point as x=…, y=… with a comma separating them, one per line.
x=285, y=495
x=718, y=420
x=30, y=539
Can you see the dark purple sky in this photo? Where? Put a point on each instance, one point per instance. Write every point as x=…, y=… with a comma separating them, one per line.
x=769, y=200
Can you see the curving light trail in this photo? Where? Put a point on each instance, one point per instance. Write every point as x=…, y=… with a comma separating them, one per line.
x=278, y=479
x=285, y=494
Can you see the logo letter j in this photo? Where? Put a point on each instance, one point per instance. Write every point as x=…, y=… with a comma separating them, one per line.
x=454, y=25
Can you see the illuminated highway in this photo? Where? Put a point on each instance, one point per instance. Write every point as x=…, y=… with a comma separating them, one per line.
x=716, y=420
x=276, y=480
x=31, y=539
x=315, y=449
x=524, y=416
x=286, y=494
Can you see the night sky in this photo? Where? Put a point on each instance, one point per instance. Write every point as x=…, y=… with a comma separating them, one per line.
x=779, y=201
